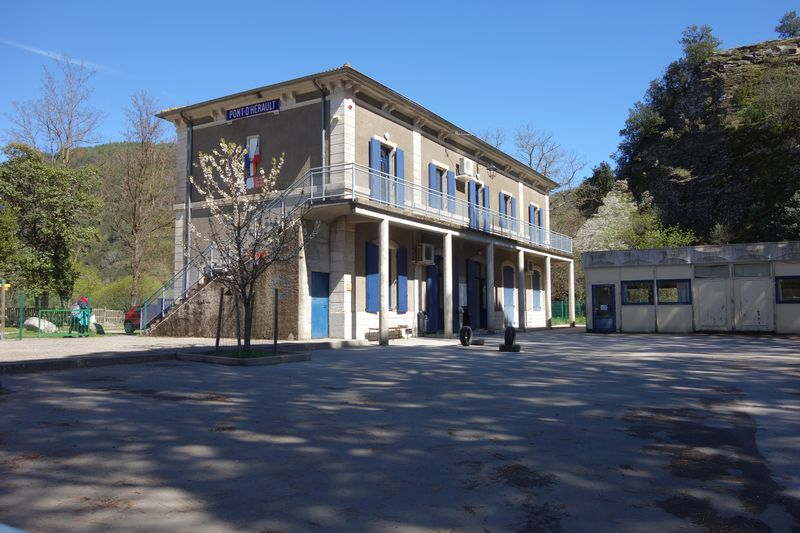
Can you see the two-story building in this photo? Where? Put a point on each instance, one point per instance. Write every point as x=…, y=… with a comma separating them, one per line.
x=416, y=215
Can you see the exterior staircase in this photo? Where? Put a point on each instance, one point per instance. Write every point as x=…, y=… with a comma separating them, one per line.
x=204, y=267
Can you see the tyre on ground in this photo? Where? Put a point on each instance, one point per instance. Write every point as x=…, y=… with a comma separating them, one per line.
x=465, y=335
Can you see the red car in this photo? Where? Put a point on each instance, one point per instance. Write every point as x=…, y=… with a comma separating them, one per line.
x=132, y=320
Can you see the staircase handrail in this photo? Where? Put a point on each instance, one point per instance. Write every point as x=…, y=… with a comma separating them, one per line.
x=198, y=259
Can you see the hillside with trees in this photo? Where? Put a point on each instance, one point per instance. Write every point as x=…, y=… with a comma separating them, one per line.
x=715, y=143
x=77, y=219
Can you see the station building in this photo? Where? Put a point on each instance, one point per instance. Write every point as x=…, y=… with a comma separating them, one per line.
x=418, y=218
x=735, y=288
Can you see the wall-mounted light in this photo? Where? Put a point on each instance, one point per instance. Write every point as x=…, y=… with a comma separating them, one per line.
x=491, y=170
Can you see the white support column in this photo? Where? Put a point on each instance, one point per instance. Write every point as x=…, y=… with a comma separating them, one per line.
x=383, y=260
x=572, y=294
x=548, y=309
x=303, y=292
x=490, y=287
x=521, y=300
x=448, y=285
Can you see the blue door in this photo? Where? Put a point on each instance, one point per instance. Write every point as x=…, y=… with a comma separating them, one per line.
x=473, y=294
x=604, y=315
x=508, y=294
x=319, y=304
x=432, y=298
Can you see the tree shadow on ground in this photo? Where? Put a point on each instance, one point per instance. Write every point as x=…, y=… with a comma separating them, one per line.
x=576, y=431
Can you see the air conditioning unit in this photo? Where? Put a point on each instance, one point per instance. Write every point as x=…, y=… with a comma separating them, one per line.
x=466, y=167
x=424, y=254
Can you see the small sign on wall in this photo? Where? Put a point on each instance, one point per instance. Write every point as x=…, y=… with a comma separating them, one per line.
x=267, y=106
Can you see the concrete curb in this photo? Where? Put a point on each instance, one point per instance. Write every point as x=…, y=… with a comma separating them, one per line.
x=90, y=361
x=242, y=361
x=164, y=354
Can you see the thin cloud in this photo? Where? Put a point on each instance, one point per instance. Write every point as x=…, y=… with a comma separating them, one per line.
x=59, y=57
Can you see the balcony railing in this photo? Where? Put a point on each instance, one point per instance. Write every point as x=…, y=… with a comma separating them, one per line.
x=363, y=183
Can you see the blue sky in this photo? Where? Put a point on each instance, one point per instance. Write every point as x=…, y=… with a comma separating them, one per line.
x=573, y=68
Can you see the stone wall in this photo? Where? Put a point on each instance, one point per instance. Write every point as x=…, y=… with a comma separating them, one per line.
x=197, y=317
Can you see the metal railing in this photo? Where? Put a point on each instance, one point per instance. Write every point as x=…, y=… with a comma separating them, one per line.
x=206, y=263
x=357, y=182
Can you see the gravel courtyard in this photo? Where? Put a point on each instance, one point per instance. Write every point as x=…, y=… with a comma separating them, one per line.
x=576, y=433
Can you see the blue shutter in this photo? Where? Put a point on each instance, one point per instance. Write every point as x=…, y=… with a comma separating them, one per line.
x=434, y=198
x=531, y=220
x=451, y=191
x=400, y=182
x=374, y=164
x=487, y=205
x=513, y=214
x=373, y=279
x=501, y=207
x=402, y=280
x=472, y=198
x=539, y=217
x=536, y=285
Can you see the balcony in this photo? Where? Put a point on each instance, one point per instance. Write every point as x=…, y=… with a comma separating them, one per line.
x=357, y=182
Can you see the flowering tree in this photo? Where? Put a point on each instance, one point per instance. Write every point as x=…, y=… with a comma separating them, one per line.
x=248, y=229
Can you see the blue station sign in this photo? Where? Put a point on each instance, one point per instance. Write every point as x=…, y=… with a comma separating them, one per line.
x=266, y=106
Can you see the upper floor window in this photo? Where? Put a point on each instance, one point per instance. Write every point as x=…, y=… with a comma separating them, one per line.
x=252, y=162
x=507, y=205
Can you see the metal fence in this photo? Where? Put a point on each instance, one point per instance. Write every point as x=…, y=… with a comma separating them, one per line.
x=560, y=310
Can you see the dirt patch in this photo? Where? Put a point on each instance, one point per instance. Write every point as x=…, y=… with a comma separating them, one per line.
x=167, y=395
x=701, y=513
x=543, y=517
x=103, y=503
x=223, y=427
x=23, y=458
x=520, y=476
x=716, y=447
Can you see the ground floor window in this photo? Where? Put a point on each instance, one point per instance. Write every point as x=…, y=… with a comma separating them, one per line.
x=674, y=291
x=787, y=289
x=637, y=292
x=536, y=287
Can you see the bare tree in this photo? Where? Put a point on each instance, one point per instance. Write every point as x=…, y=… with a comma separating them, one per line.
x=494, y=136
x=60, y=119
x=140, y=195
x=249, y=229
x=541, y=151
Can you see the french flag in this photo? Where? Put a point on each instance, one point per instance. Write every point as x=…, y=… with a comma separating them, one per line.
x=252, y=160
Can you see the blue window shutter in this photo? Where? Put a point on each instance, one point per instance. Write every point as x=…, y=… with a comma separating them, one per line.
x=373, y=279
x=531, y=220
x=501, y=207
x=400, y=173
x=536, y=284
x=487, y=205
x=433, y=185
x=402, y=280
x=513, y=214
x=375, y=164
x=451, y=191
x=472, y=198
x=539, y=217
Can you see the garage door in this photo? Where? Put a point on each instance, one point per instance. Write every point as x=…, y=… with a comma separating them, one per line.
x=711, y=304
x=753, y=295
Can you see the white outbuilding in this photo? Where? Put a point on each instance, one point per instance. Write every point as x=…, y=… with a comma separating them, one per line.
x=751, y=287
